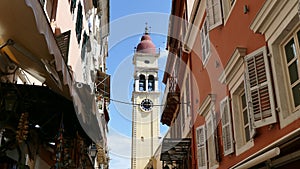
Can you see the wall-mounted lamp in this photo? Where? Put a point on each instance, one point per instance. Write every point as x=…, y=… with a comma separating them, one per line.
x=93, y=151
x=246, y=9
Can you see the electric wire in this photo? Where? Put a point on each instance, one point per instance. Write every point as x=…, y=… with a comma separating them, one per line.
x=136, y=104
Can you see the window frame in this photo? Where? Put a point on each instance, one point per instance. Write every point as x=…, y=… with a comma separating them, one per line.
x=227, y=9
x=201, y=144
x=240, y=142
x=210, y=123
x=205, y=42
x=227, y=135
x=214, y=13
x=79, y=22
x=188, y=95
x=285, y=66
x=182, y=112
x=243, y=110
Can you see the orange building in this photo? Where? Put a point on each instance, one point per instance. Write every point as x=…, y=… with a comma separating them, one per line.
x=53, y=87
x=240, y=59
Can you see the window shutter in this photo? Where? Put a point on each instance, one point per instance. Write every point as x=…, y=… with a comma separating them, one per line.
x=226, y=127
x=205, y=42
x=201, y=147
x=210, y=140
x=249, y=107
x=259, y=88
x=215, y=137
x=214, y=13
x=202, y=34
x=226, y=8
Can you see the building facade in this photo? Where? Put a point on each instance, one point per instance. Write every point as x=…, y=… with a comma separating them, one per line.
x=145, y=98
x=54, y=89
x=241, y=57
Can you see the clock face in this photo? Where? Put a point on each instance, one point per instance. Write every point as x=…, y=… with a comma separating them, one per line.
x=146, y=105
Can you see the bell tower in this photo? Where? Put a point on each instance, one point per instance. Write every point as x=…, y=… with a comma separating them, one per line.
x=145, y=98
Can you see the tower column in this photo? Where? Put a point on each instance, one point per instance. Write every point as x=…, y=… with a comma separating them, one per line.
x=145, y=114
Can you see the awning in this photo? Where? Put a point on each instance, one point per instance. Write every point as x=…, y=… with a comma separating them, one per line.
x=279, y=153
x=175, y=149
x=35, y=49
x=87, y=111
x=261, y=158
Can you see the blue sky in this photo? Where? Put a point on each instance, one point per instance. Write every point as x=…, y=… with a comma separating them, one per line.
x=127, y=24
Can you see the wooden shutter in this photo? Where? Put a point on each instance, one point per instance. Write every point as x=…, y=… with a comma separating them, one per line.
x=214, y=13
x=259, y=88
x=226, y=126
x=201, y=147
x=211, y=131
x=205, y=42
x=249, y=107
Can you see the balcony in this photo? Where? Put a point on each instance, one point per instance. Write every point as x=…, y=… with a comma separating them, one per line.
x=171, y=102
x=103, y=85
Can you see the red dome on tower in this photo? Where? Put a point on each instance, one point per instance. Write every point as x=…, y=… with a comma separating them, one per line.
x=146, y=45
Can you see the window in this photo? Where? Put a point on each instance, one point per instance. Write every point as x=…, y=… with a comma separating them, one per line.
x=227, y=137
x=142, y=83
x=187, y=100
x=205, y=43
x=211, y=141
x=151, y=86
x=214, y=13
x=201, y=147
x=96, y=3
x=72, y=6
x=245, y=117
x=292, y=57
x=227, y=6
x=183, y=112
x=185, y=24
x=84, y=46
x=176, y=127
x=259, y=90
x=243, y=124
x=79, y=22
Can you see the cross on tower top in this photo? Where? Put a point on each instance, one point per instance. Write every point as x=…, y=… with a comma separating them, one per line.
x=147, y=28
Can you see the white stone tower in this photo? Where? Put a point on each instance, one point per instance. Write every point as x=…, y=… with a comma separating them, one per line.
x=145, y=96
